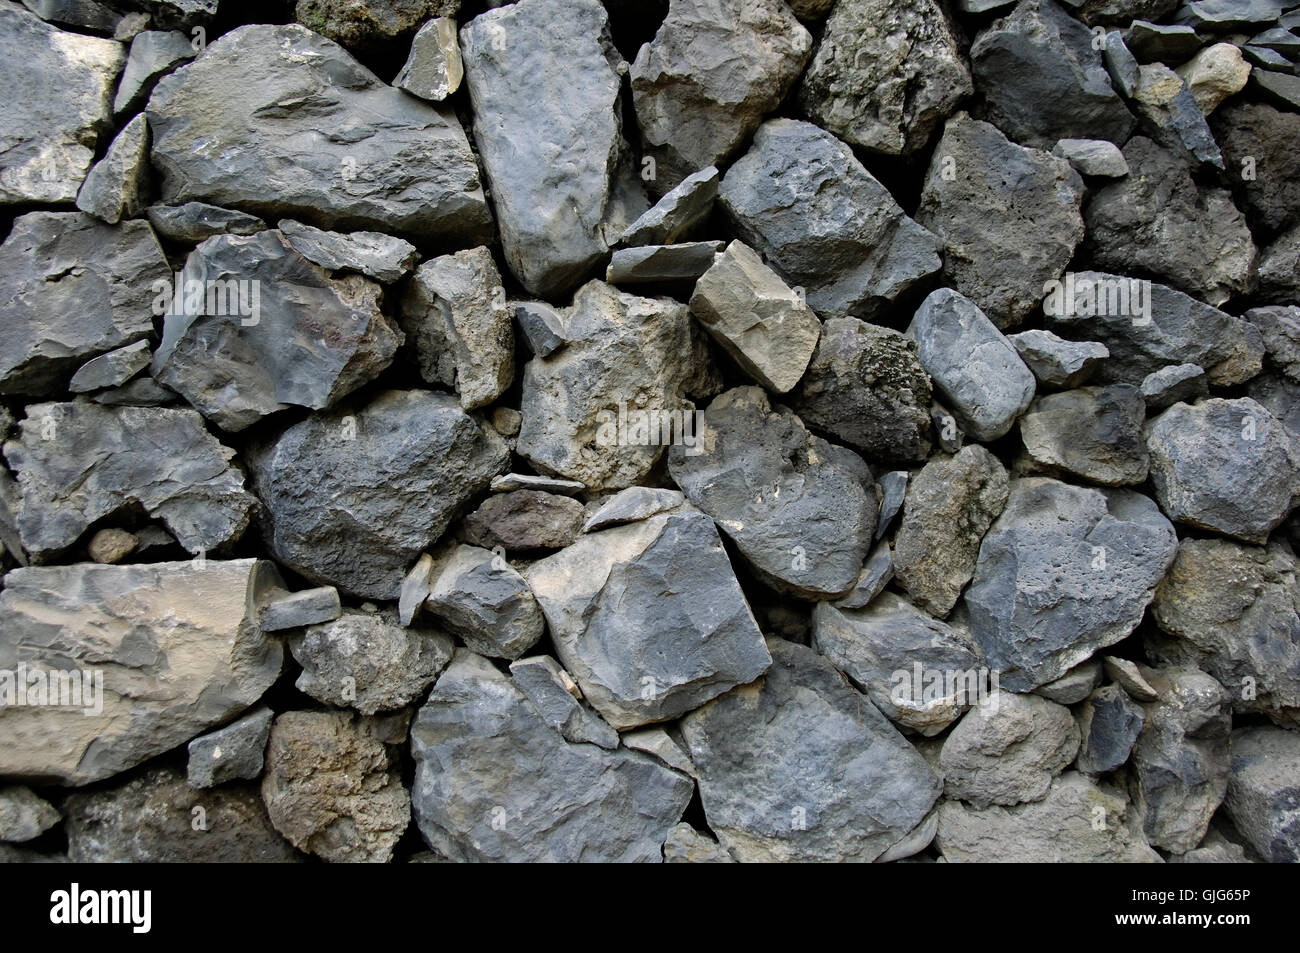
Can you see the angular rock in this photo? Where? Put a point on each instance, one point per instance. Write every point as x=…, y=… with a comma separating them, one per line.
x=712, y=72
x=657, y=263
x=232, y=753
x=950, y=505
x=194, y=222
x=72, y=287
x=677, y=214
x=1280, y=328
x=375, y=255
x=165, y=652
x=79, y=462
x=1008, y=750
x=1043, y=78
x=885, y=74
x=1174, y=384
x=1159, y=221
x=510, y=482
x=1227, y=16
x=151, y=819
x=800, y=510
x=685, y=845
x=1109, y=724
x=478, y=596
x=1214, y=74
x=1063, y=572
x=494, y=782
x=1173, y=116
x=1120, y=63
x=801, y=767
x=546, y=72
x=632, y=505
x=111, y=369
x=60, y=94
x=1169, y=43
x=766, y=327
x=1075, y=685
x=876, y=574
x=802, y=200
x=1093, y=157
x=1057, y=362
x=253, y=328
x=866, y=387
x=542, y=325
x=1262, y=794
x=334, y=790
x=293, y=610
x=153, y=54
x=525, y=520
x=659, y=743
x=454, y=312
x=1130, y=677
x=1093, y=433
x=1277, y=88
x=23, y=815
x=1279, y=268
x=373, y=25
x=433, y=70
x=889, y=648
x=117, y=187
x=974, y=368
x=390, y=162
x=557, y=698
x=1228, y=466
x=1122, y=11
x=1265, y=142
x=350, y=500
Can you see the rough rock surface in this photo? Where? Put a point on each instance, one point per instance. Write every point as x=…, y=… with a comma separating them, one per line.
x=233, y=753
x=372, y=254
x=117, y=187
x=1056, y=362
x=23, y=815
x=479, y=597
x=524, y=520
x=1109, y=725
x=1093, y=433
x=1262, y=795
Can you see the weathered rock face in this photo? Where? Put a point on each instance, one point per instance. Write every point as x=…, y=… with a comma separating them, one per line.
x=333, y=789
x=648, y=618
x=1271, y=139
x=351, y=499
x=386, y=161
x=885, y=74
x=1172, y=116
x=79, y=462
x=72, y=287
x=525, y=520
x=153, y=54
x=1262, y=793
x=800, y=510
x=60, y=101
x=1094, y=433
x=866, y=387
x=150, y=655
x=601, y=409
x=23, y=815
x=371, y=24
x=1056, y=362
x=546, y=72
x=801, y=199
x=372, y=254
x=434, y=68
x=1109, y=725
x=117, y=187
x=557, y=698
x=1009, y=217
x=233, y=753
x=254, y=328
x=495, y=782
x=711, y=73
x=1063, y=572
x=679, y=213
x=479, y=597
x=151, y=819
x=801, y=767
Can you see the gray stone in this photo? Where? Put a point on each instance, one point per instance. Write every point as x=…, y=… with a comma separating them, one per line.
x=1280, y=327
x=885, y=74
x=1131, y=677
x=1043, y=78
x=1056, y=362
x=415, y=589
x=892, y=490
x=659, y=743
x=802, y=200
x=390, y=163
x=1180, y=762
x=1121, y=65
x=880, y=646
x=71, y=288
x=1109, y=723
x=1121, y=11
x=23, y=815
x=373, y=254
x=557, y=698
x=765, y=326
x=151, y=819
x=117, y=187
x=600, y=410
x=478, y=596
x=1173, y=384
x=1041, y=601
x=333, y=789
x=1008, y=750
x=800, y=510
x=111, y=546
x=1075, y=685
x=111, y=369
x=1262, y=791
x=876, y=573
x=1228, y=466
x=232, y=753
x=166, y=651
x=657, y=263
x=433, y=69
x=1278, y=88
x=366, y=661
x=686, y=845
x=194, y=222
x=801, y=767
x=1094, y=433
x=84, y=14
x=1159, y=221
x=1094, y=157
x=80, y=462
x=270, y=331
x=153, y=54
x=712, y=72
x=1215, y=73
x=371, y=26
x=494, y=782
x=292, y=610
x=1173, y=116
x=525, y=520
x=141, y=392
x=1061, y=828
x=648, y=618
x=454, y=312
x=1169, y=43
x=1227, y=16
x=509, y=482
x=546, y=72
x=950, y=505
x=352, y=499
x=866, y=387
x=679, y=213
x=542, y=325
x=59, y=102
x=632, y=505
